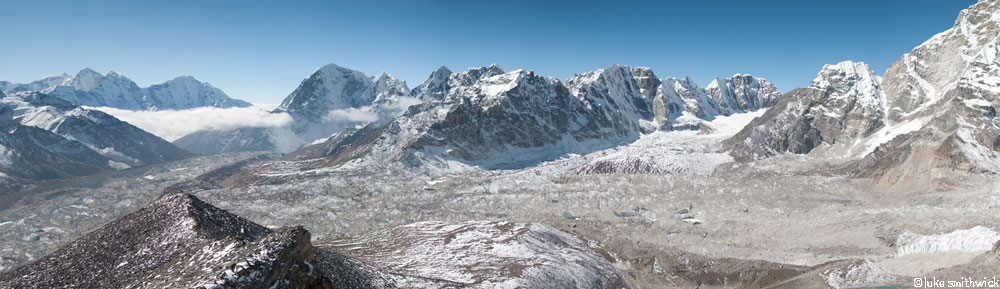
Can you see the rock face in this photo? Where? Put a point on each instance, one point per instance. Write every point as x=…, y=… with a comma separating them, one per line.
x=934, y=111
x=482, y=255
x=88, y=136
x=843, y=103
x=481, y=114
x=115, y=90
x=177, y=241
x=741, y=93
x=948, y=87
x=435, y=87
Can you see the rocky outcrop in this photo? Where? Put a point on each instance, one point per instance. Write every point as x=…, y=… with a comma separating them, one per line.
x=742, y=93
x=843, y=103
x=177, y=241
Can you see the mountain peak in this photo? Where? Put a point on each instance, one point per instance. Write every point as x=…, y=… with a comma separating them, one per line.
x=441, y=70
x=847, y=75
x=87, y=71
x=435, y=87
x=114, y=74
x=848, y=66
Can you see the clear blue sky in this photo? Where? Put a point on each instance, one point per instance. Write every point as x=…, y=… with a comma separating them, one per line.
x=261, y=51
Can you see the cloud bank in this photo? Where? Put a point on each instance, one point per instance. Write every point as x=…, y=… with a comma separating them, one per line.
x=173, y=124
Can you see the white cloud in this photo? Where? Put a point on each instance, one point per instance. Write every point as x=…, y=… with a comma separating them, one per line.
x=372, y=113
x=173, y=124
x=363, y=114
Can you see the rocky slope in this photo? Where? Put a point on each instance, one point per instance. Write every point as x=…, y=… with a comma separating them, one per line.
x=842, y=103
x=246, y=139
x=43, y=130
x=482, y=255
x=948, y=88
x=485, y=117
x=933, y=111
x=90, y=88
x=33, y=153
x=177, y=241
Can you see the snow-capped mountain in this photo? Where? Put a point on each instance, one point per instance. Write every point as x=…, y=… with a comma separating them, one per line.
x=113, y=89
x=935, y=108
x=742, y=93
x=64, y=130
x=187, y=92
x=489, y=109
x=949, y=88
x=842, y=103
x=435, y=87
x=332, y=98
x=332, y=87
x=38, y=85
x=488, y=118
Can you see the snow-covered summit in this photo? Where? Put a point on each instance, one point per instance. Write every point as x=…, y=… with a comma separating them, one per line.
x=435, y=87
x=844, y=102
x=90, y=88
x=333, y=87
x=484, y=113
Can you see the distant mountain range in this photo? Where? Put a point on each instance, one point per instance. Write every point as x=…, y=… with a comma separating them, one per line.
x=932, y=110
x=525, y=109
x=89, y=88
x=47, y=137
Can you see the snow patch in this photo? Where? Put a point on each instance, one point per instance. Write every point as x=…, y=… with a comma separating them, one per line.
x=975, y=240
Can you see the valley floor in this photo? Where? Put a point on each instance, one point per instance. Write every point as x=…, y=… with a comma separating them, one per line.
x=774, y=213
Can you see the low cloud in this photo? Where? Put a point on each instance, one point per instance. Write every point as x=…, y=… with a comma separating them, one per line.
x=173, y=124
x=371, y=113
x=351, y=114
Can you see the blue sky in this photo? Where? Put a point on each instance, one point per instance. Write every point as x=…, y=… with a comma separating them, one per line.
x=260, y=51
